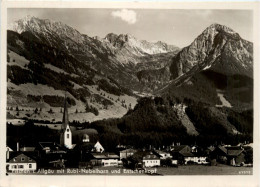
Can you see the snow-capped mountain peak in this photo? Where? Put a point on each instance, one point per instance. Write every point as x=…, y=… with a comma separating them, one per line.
x=45, y=27
x=138, y=47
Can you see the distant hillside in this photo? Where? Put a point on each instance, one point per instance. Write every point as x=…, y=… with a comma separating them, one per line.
x=39, y=75
x=115, y=56
x=203, y=92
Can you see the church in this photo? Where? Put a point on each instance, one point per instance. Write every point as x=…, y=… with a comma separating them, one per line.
x=66, y=133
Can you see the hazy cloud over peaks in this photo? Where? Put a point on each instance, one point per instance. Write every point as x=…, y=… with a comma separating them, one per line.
x=126, y=15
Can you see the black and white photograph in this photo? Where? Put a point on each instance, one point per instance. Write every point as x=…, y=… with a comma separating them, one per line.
x=129, y=91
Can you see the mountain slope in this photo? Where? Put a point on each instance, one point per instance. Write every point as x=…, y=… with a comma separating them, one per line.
x=47, y=58
x=218, y=48
x=217, y=60
x=39, y=75
x=115, y=56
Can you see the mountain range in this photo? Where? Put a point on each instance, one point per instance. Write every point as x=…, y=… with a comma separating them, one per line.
x=115, y=74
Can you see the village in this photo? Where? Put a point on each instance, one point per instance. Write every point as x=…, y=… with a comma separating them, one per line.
x=90, y=157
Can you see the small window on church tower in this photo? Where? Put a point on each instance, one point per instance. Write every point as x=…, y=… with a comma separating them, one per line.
x=68, y=136
x=67, y=130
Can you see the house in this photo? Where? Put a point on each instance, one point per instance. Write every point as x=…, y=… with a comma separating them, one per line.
x=85, y=138
x=178, y=152
x=58, y=163
x=233, y=155
x=126, y=153
x=194, y=149
x=48, y=152
x=104, y=159
x=99, y=148
x=85, y=147
x=146, y=159
x=151, y=160
x=175, y=159
x=209, y=150
x=184, y=154
x=8, y=151
x=194, y=158
x=163, y=154
x=50, y=148
x=27, y=149
x=180, y=149
x=21, y=162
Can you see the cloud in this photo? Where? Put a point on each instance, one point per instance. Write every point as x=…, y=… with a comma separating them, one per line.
x=128, y=16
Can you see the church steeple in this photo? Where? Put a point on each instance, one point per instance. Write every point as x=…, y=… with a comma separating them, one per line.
x=65, y=119
x=65, y=133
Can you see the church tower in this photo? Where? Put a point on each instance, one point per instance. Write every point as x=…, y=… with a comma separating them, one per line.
x=65, y=133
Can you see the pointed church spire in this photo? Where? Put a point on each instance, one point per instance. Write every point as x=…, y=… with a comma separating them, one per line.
x=65, y=119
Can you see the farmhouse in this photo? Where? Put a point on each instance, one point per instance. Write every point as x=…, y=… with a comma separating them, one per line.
x=194, y=158
x=179, y=151
x=151, y=160
x=163, y=154
x=235, y=155
x=146, y=158
x=104, y=159
x=185, y=155
x=50, y=148
x=126, y=153
x=21, y=162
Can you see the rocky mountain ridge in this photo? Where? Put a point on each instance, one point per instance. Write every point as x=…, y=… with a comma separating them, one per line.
x=116, y=56
x=105, y=71
x=217, y=43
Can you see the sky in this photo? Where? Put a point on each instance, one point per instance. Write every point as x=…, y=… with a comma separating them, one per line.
x=173, y=26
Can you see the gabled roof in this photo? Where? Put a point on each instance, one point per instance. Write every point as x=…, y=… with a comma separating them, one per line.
x=51, y=145
x=16, y=154
x=222, y=148
x=178, y=148
x=27, y=149
x=161, y=152
x=98, y=143
x=139, y=155
x=187, y=154
x=128, y=151
x=211, y=148
x=9, y=149
x=234, y=150
x=105, y=155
